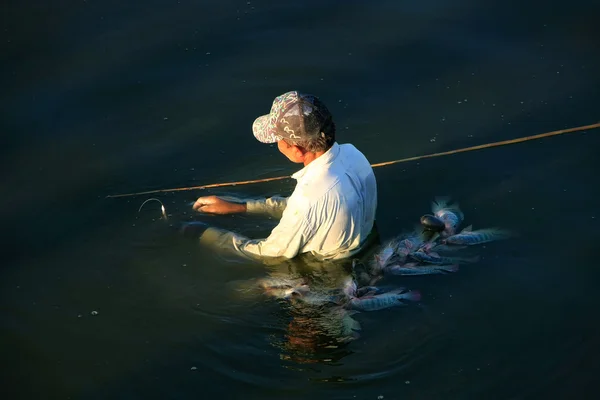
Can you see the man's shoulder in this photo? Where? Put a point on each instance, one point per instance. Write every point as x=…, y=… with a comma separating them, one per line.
x=353, y=161
x=335, y=177
x=314, y=188
x=319, y=183
x=350, y=151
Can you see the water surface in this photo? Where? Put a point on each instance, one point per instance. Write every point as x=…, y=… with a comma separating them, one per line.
x=100, y=98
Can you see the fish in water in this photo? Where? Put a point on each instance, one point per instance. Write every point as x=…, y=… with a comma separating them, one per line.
x=383, y=256
x=415, y=269
x=409, y=244
x=434, y=258
x=450, y=214
x=287, y=292
x=283, y=287
x=366, y=275
x=280, y=282
x=470, y=237
x=432, y=223
x=392, y=298
x=443, y=248
x=367, y=291
x=349, y=287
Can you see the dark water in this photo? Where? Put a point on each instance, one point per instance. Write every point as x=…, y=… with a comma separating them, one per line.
x=112, y=97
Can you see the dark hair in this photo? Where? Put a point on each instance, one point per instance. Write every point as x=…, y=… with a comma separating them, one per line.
x=321, y=142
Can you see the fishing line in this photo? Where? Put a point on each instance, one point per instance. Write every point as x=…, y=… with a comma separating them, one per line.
x=162, y=206
x=444, y=153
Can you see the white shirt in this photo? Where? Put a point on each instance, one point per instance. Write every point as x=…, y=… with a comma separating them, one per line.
x=330, y=213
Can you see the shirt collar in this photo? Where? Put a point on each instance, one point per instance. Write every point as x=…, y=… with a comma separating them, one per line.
x=319, y=162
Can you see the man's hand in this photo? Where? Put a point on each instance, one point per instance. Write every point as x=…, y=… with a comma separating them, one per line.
x=215, y=205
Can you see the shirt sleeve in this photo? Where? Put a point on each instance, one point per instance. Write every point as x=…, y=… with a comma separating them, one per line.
x=285, y=240
x=273, y=206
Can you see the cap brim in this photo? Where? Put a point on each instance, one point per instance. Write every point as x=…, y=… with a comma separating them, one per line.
x=263, y=132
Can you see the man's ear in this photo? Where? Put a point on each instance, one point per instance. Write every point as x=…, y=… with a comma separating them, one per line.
x=298, y=151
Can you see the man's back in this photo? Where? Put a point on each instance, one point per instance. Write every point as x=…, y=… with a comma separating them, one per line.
x=337, y=194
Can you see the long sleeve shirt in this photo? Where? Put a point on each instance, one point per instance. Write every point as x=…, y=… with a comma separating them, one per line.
x=329, y=214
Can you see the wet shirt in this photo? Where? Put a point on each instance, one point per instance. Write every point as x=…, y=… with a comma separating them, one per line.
x=330, y=213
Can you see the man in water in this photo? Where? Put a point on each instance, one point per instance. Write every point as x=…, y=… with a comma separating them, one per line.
x=331, y=212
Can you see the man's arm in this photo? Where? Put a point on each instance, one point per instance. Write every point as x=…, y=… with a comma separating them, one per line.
x=272, y=206
x=285, y=240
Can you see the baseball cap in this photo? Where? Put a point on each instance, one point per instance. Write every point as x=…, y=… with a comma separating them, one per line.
x=294, y=116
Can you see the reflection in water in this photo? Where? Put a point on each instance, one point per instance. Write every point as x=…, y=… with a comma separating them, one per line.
x=319, y=327
x=317, y=335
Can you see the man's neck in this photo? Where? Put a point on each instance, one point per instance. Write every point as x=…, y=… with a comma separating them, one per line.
x=310, y=157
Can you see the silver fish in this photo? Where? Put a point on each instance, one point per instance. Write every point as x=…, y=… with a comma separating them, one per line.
x=469, y=237
x=434, y=258
x=283, y=286
x=281, y=282
x=444, y=248
x=410, y=243
x=415, y=269
x=384, y=300
x=382, y=257
x=349, y=287
x=287, y=293
x=367, y=290
x=450, y=214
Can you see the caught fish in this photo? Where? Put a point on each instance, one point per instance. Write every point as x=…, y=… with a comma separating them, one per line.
x=469, y=237
x=428, y=246
x=444, y=248
x=384, y=300
x=450, y=214
x=287, y=293
x=367, y=291
x=410, y=243
x=283, y=287
x=349, y=287
x=415, y=269
x=280, y=282
x=397, y=249
x=432, y=223
x=434, y=258
x=366, y=275
x=383, y=256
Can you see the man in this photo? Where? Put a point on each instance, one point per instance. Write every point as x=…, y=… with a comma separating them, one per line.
x=332, y=209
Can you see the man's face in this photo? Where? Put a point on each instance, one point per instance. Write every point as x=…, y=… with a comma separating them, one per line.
x=293, y=153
